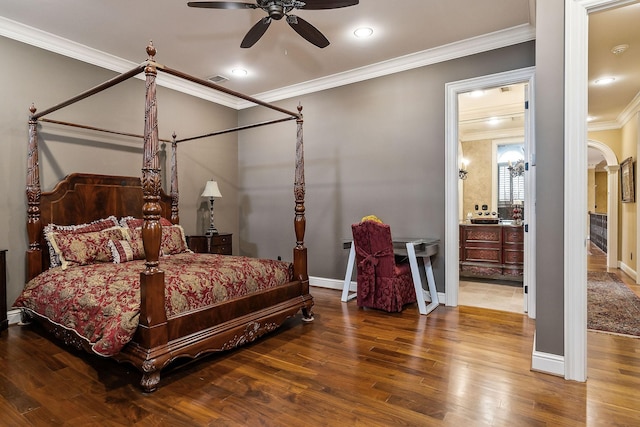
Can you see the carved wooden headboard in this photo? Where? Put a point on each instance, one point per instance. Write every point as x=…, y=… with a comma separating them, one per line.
x=82, y=198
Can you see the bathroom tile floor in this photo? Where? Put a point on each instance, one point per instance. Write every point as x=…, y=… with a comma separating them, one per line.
x=496, y=296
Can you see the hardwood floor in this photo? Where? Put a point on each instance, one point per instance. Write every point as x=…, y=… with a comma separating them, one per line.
x=351, y=367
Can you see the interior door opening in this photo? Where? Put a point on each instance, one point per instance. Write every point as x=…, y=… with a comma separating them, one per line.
x=492, y=197
x=489, y=199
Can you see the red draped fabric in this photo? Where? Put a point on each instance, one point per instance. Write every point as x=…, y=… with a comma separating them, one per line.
x=382, y=283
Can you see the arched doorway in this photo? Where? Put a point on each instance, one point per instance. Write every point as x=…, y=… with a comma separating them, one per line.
x=612, y=169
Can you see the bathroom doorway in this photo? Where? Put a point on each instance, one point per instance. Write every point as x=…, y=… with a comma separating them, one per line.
x=482, y=136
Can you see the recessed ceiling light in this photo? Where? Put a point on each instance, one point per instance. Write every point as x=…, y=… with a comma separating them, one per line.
x=239, y=72
x=604, y=81
x=493, y=121
x=590, y=118
x=476, y=93
x=363, y=32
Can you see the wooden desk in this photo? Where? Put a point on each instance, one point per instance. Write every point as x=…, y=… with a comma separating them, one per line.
x=412, y=249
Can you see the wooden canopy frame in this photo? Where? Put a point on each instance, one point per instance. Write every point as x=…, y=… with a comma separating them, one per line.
x=158, y=340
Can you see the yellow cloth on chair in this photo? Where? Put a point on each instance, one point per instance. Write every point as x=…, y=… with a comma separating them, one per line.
x=371, y=218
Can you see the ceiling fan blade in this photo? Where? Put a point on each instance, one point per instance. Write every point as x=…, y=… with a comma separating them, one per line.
x=328, y=4
x=256, y=32
x=307, y=31
x=222, y=5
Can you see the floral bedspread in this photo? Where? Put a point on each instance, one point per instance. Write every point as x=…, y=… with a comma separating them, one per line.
x=101, y=302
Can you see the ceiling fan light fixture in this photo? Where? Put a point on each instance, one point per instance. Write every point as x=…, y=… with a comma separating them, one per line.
x=363, y=32
x=276, y=10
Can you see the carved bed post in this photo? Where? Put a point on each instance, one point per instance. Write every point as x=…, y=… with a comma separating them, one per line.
x=300, y=252
x=151, y=230
x=153, y=319
x=175, y=216
x=34, y=222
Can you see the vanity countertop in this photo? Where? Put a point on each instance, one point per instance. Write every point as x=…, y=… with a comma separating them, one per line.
x=506, y=223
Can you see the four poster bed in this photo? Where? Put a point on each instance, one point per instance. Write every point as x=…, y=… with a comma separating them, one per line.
x=109, y=270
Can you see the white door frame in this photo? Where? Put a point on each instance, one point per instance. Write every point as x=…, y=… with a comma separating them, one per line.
x=452, y=238
x=575, y=181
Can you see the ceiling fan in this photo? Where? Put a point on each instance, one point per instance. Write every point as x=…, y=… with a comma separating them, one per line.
x=278, y=9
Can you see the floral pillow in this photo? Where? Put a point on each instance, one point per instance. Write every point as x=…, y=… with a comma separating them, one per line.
x=84, y=248
x=98, y=225
x=173, y=241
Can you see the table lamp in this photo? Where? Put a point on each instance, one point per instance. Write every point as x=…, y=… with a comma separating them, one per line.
x=211, y=191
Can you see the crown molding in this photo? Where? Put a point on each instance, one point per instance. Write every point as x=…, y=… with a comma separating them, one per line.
x=481, y=113
x=50, y=42
x=623, y=118
x=492, y=134
x=610, y=125
x=630, y=110
x=486, y=42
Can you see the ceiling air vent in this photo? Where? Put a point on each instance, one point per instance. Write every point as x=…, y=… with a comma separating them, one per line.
x=217, y=79
x=505, y=89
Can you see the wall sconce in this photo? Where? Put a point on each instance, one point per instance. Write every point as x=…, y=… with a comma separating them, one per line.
x=462, y=172
x=517, y=169
x=211, y=191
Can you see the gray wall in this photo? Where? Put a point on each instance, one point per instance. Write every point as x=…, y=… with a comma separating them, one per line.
x=29, y=74
x=375, y=147
x=549, y=99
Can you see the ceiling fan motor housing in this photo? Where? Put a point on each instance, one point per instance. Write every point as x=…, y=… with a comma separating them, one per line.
x=278, y=9
x=275, y=11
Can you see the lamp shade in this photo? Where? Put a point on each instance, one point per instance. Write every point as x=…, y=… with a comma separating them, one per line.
x=211, y=190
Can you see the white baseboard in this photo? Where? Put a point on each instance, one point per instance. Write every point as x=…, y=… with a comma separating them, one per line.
x=631, y=272
x=546, y=363
x=14, y=317
x=321, y=282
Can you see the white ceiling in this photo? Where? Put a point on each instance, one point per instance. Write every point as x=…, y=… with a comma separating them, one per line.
x=494, y=113
x=607, y=30
x=407, y=34
x=206, y=42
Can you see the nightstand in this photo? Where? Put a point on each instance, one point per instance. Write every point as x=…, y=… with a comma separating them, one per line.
x=4, y=323
x=215, y=244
